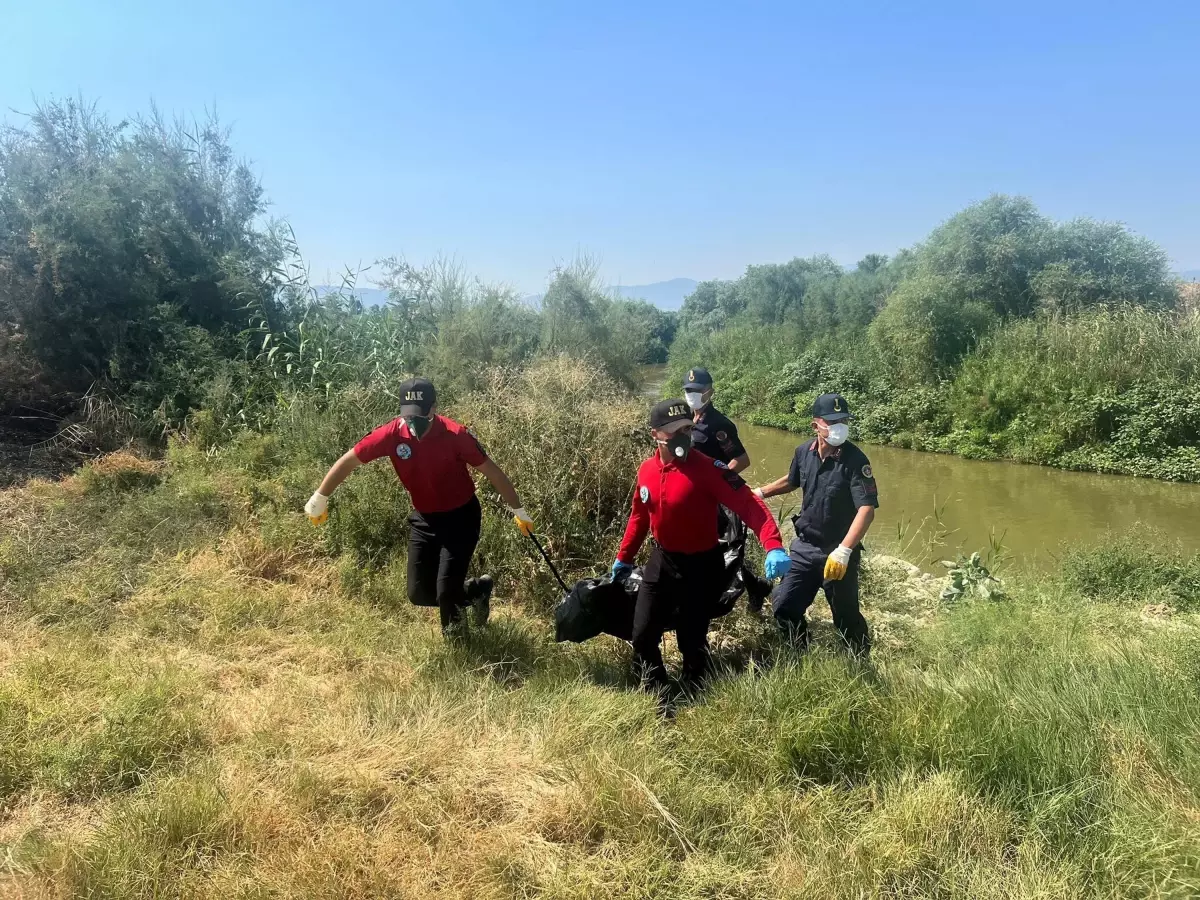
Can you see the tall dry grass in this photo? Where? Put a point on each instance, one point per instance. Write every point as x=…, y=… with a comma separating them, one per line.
x=203, y=697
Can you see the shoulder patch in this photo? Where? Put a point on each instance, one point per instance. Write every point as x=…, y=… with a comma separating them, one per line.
x=719, y=464
x=478, y=443
x=734, y=479
x=644, y=494
x=866, y=471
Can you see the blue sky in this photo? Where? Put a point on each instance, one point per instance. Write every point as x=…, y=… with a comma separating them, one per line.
x=667, y=139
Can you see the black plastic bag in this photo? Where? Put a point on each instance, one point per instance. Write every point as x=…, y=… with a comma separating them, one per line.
x=596, y=606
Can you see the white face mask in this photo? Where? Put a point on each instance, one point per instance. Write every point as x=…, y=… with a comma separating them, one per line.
x=837, y=435
x=694, y=399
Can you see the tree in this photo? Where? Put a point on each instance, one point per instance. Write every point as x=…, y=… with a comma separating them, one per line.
x=114, y=237
x=711, y=305
x=775, y=293
x=1091, y=263
x=927, y=328
x=989, y=253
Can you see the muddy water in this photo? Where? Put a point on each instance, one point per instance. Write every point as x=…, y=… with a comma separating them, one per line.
x=933, y=506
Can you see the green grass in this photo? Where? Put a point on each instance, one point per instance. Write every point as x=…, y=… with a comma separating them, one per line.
x=246, y=707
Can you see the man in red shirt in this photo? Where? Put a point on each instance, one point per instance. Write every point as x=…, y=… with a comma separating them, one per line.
x=430, y=454
x=676, y=498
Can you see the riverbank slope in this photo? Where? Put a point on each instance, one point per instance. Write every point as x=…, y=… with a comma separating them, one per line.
x=203, y=696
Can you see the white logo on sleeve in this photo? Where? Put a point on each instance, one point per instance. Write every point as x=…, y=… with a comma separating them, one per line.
x=644, y=493
x=404, y=451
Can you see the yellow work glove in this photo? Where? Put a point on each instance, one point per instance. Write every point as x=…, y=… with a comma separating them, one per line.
x=835, y=566
x=523, y=522
x=317, y=508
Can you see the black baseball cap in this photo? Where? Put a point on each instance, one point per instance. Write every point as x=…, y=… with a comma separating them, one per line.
x=697, y=380
x=831, y=408
x=666, y=413
x=417, y=397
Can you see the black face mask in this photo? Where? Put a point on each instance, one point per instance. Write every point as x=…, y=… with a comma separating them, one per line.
x=418, y=425
x=679, y=445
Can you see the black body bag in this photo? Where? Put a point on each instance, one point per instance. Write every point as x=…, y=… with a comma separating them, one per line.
x=597, y=606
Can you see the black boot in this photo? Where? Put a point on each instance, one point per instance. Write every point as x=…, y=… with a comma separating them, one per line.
x=794, y=633
x=479, y=595
x=757, y=590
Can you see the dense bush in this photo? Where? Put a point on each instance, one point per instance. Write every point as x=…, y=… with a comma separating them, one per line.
x=1003, y=335
x=136, y=269
x=1139, y=566
x=123, y=246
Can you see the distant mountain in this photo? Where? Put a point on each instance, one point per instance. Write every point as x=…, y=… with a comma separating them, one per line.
x=666, y=295
x=368, y=296
x=663, y=294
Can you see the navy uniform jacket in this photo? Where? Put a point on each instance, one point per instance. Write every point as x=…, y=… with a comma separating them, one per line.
x=834, y=490
x=715, y=435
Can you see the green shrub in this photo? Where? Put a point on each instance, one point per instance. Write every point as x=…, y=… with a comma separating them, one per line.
x=1137, y=567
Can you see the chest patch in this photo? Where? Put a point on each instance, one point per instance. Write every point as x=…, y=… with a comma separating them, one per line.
x=403, y=451
x=644, y=493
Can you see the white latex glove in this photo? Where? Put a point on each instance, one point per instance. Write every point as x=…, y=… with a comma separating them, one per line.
x=759, y=494
x=523, y=522
x=317, y=508
x=836, y=564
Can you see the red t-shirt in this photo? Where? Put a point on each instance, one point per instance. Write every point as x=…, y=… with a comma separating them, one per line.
x=678, y=502
x=433, y=469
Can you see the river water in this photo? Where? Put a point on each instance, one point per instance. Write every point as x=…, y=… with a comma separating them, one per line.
x=933, y=506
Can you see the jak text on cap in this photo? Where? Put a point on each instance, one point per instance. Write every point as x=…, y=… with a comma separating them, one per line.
x=666, y=413
x=417, y=397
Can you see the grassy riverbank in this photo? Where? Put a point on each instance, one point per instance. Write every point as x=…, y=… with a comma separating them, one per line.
x=202, y=696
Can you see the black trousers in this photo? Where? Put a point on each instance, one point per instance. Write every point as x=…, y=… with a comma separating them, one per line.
x=440, y=547
x=798, y=589
x=679, y=590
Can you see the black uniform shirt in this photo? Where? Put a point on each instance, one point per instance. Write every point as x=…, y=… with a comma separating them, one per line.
x=715, y=435
x=834, y=490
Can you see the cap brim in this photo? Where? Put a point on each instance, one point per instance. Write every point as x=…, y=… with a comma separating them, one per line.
x=412, y=409
x=673, y=426
x=694, y=386
x=836, y=417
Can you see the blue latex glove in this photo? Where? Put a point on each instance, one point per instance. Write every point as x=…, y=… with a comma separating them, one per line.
x=778, y=562
x=621, y=570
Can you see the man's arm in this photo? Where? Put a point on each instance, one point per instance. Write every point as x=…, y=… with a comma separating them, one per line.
x=865, y=494
x=739, y=463
x=732, y=447
x=635, y=530
x=858, y=528
x=777, y=488
x=729, y=490
x=500, y=482
x=339, y=472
